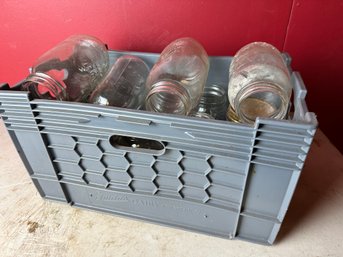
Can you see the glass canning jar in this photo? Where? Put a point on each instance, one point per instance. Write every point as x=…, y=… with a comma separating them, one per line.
x=70, y=70
x=176, y=82
x=124, y=84
x=212, y=104
x=259, y=83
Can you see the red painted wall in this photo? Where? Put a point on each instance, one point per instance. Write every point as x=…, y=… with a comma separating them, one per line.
x=315, y=41
x=304, y=28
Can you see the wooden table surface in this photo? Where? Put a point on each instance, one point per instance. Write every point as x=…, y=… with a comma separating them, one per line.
x=31, y=226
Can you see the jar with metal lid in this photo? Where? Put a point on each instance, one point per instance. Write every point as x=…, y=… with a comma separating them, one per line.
x=124, y=84
x=177, y=80
x=259, y=83
x=70, y=70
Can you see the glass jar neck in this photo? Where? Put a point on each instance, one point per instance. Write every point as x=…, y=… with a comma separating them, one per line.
x=168, y=96
x=261, y=99
x=231, y=115
x=52, y=88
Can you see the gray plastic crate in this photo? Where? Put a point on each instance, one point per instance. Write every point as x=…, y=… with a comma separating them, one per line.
x=216, y=177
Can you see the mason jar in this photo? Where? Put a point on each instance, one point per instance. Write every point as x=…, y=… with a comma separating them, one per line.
x=70, y=70
x=176, y=82
x=213, y=103
x=259, y=83
x=124, y=85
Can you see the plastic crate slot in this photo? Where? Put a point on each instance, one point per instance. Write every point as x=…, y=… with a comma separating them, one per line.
x=88, y=151
x=95, y=179
x=171, y=184
x=137, y=144
x=119, y=186
x=19, y=119
x=275, y=156
x=143, y=186
x=115, y=162
x=19, y=127
x=92, y=166
x=60, y=140
x=167, y=168
x=67, y=167
x=118, y=177
x=294, y=132
x=225, y=194
x=194, y=181
x=280, y=140
x=140, y=172
x=267, y=162
x=195, y=166
x=274, y=147
x=278, y=161
x=277, y=133
x=226, y=178
x=193, y=193
x=64, y=154
x=227, y=205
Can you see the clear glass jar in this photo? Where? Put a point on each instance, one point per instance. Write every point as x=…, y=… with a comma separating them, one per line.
x=213, y=103
x=259, y=84
x=176, y=82
x=70, y=70
x=124, y=84
x=231, y=115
